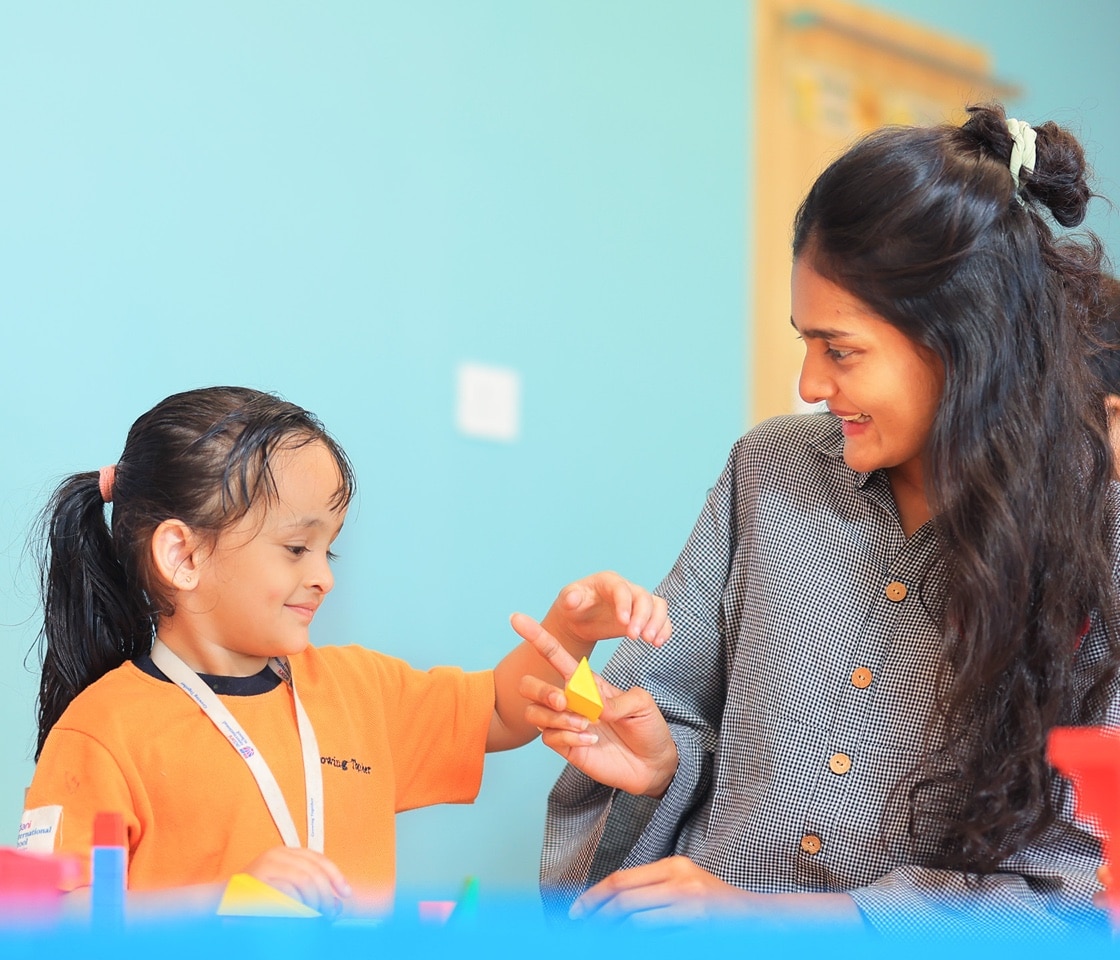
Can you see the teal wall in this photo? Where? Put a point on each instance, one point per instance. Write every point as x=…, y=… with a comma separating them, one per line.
x=1062, y=56
x=341, y=202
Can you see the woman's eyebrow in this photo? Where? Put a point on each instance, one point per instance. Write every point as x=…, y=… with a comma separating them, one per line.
x=820, y=333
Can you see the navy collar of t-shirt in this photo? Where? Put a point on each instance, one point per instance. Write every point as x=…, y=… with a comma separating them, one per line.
x=258, y=683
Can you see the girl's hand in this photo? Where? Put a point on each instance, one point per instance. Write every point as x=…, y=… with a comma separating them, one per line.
x=677, y=891
x=629, y=747
x=605, y=605
x=304, y=874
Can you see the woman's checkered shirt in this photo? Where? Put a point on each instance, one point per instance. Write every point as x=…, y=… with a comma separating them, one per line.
x=799, y=687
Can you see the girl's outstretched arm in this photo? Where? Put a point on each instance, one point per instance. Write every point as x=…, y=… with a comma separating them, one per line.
x=598, y=607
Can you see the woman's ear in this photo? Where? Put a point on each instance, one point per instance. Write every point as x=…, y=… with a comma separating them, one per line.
x=1112, y=405
x=176, y=554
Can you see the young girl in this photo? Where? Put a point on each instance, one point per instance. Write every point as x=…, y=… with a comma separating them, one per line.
x=883, y=609
x=229, y=744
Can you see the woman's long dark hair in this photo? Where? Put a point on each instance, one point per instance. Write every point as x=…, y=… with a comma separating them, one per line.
x=928, y=228
x=1106, y=344
x=202, y=457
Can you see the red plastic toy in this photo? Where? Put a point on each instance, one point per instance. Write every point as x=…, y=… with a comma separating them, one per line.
x=1090, y=758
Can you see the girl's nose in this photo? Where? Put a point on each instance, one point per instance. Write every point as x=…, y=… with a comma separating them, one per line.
x=322, y=576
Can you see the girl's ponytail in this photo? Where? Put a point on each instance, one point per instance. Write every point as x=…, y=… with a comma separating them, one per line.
x=93, y=618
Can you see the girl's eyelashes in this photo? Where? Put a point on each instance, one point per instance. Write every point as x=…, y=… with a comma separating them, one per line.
x=298, y=550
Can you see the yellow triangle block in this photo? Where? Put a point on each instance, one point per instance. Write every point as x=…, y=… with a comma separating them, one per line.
x=246, y=896
x=583, y=695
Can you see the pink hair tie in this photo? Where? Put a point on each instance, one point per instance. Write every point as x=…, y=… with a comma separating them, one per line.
x=106, y=478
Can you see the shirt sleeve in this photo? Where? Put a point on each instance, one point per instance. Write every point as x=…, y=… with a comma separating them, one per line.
x=439, y=722
x=79, y=774
x=592, y=830
x=1047, y=886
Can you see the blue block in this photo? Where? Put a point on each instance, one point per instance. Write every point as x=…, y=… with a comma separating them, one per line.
x=109, y=871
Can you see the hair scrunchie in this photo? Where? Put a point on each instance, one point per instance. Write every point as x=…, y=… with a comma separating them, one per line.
x=1023, y=137
x=107, y=476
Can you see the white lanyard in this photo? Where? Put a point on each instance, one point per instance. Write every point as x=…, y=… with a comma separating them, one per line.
x=195, y=687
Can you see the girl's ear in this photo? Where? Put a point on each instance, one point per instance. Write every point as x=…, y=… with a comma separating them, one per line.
x=177, y=554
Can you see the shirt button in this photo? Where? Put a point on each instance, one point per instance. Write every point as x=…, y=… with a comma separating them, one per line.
x=896, y=591
x=840, y=763
x=861, y=677
x=811, y=844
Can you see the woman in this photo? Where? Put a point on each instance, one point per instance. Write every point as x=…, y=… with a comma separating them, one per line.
x=883, y=609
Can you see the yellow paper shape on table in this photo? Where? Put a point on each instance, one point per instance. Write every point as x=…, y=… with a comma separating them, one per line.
x=583, y=695
x=246, y=896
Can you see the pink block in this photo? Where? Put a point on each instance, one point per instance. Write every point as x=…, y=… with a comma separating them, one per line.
x=435, y=911
x=31, y=885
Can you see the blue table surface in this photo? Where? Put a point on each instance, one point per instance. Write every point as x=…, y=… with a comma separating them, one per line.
x=513, y=928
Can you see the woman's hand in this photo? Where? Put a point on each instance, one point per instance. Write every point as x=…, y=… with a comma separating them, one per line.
x=629, y=747
x=304, y=874
x=1101, y=897
x=605, y=605
x=677, y=891
x=595, y=608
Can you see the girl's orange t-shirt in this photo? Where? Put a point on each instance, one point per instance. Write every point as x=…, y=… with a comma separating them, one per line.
x=390, y=737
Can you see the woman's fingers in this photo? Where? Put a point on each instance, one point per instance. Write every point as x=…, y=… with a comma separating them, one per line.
x=546, y=712
x=617, y=607
x=645, y=614
x=621, y=893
